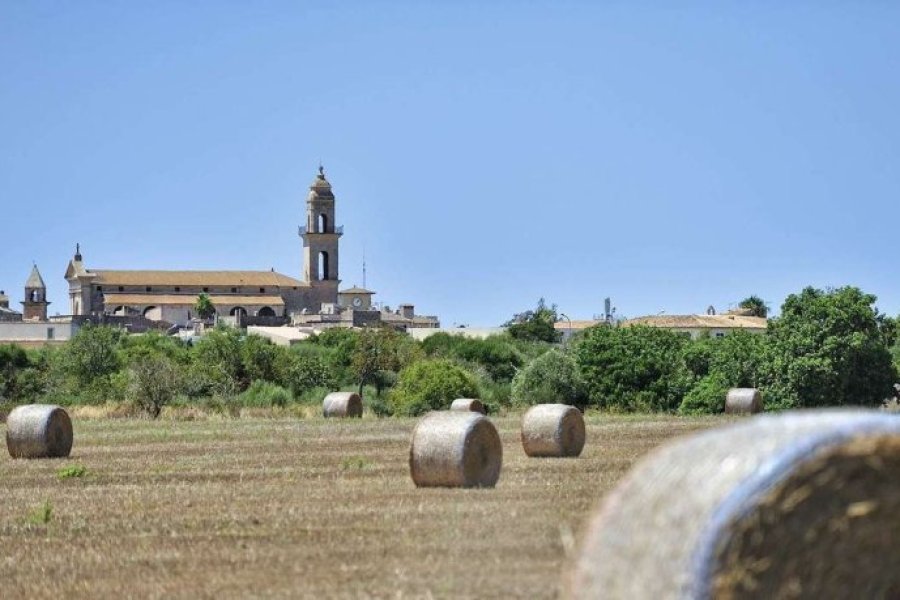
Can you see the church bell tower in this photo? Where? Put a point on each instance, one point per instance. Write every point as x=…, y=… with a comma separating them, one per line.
x=320, y=242
x=35, y=303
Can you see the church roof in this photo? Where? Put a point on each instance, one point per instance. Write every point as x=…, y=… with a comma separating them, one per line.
x=35, y=280
x=195, y=278
x=190, y=300
x=356, y=290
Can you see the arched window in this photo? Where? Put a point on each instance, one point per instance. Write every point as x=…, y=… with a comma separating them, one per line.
x=323, y=266
x=238, y=310
x=323, y=223
x=265, y=311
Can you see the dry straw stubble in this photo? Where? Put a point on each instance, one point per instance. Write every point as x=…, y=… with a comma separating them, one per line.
x=799, y=505
x=455, y=449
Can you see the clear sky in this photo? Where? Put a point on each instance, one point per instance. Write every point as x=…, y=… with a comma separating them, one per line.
x=483, y=154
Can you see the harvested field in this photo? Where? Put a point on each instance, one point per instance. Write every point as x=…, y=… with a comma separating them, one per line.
x=298, y=508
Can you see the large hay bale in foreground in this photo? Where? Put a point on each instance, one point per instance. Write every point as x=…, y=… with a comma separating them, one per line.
x=798, y=505
x=741, y=401
x=38, y=431
x=455, y=449
x=468, y=405
x=553, y=430
x=342, y=404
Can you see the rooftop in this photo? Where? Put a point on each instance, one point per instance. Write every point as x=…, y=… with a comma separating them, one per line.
x=189, y=300
x=195, y=278
x=726, y=321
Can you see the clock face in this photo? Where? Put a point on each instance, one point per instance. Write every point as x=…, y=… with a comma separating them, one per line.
x=357, y=301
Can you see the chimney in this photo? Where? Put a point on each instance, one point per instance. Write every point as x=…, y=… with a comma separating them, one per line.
x=4, y=300
x=408, y=311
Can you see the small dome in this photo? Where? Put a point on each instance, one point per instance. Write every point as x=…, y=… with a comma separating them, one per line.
x=320, y=187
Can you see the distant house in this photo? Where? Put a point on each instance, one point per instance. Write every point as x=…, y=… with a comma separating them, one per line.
x=697, y=325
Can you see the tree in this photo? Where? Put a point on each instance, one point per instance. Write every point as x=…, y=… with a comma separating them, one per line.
x=92, y=354
x=718, y=364
x=633, y=368
x=431, y=385
x=154, y=383
x=550, y=378
x=827, y=349
x=379, y=350
x=755, y=305
x=204, y=306
x=535, y=325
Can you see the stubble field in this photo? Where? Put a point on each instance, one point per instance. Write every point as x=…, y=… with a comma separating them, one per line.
x=297, y=508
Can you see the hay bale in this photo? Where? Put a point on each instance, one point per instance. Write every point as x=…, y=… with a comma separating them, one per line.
x=455, y=449
x=799, y=505
x=38, y=431
x=742, y=401
x=553, y=430
x=342, y=404
x=468, y=405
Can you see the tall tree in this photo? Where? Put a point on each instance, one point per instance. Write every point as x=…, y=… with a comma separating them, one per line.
x=535, y=325
x=204, y=306
x=755, y=305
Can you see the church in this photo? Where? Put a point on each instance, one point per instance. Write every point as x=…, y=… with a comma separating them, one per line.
x=171, y=296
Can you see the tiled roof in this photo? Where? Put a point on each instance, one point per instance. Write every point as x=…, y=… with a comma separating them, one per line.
x=577, y=325
x=699, y=322
x=195, y=278
x=190, y=300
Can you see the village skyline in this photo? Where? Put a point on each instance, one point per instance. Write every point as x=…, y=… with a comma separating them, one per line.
x=482, y=157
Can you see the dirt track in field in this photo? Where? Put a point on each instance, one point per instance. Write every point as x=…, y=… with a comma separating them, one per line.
x=297, y=508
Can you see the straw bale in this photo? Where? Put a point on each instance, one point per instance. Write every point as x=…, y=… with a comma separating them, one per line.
x=468, y=405
x=740, y=401
x=38, y=431
x=553, y=430
x=796, y=505
x=455, y=449
x=342, y=404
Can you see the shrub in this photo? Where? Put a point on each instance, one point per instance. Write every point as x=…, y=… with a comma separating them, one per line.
x=633, y=368
x=264, y=393
x=154, y=383
x=553, y=377
x=301, y=371
x=431, y=385
x=706, y=397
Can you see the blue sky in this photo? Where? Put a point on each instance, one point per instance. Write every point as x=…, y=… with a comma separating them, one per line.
x=483, y=154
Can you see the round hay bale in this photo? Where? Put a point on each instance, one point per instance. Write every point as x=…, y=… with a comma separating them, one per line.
x=799, y=505
x=38, y=431
x=342, y=404
x=455, y=449
x=468, y=405
x=742, y=401
x=553, y=430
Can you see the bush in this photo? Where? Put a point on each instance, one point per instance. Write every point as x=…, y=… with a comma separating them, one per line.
x=706, y=397
x=265, y=394
x=431, y=385
x=553, y=377
x=154, y=383
x=633, y=368
x=301, y=371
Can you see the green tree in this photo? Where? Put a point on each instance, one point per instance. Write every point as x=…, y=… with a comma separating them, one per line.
x=380, y=351
x=633, y=368
x=719, y=364
x=755, y=305
x=204, y=306
x=827, y=349
x=553, y=377
x=535, y=325
x=92, y=354
x=153, y=383
x=431, y=385
x=220, y=351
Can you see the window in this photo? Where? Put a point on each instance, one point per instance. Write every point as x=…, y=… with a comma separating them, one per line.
x=50, y=333
x=99, y=288
x=177, y=289
x=149, y=289
x=234, y=290
x=121, y=288
x=262, y=290
x=720, y=334
x=323, y=266
x=205, y=289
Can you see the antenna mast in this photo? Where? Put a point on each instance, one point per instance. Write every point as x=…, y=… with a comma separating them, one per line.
x=364, y=268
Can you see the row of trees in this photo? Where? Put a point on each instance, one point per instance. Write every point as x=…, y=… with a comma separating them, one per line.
x=827, y=348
